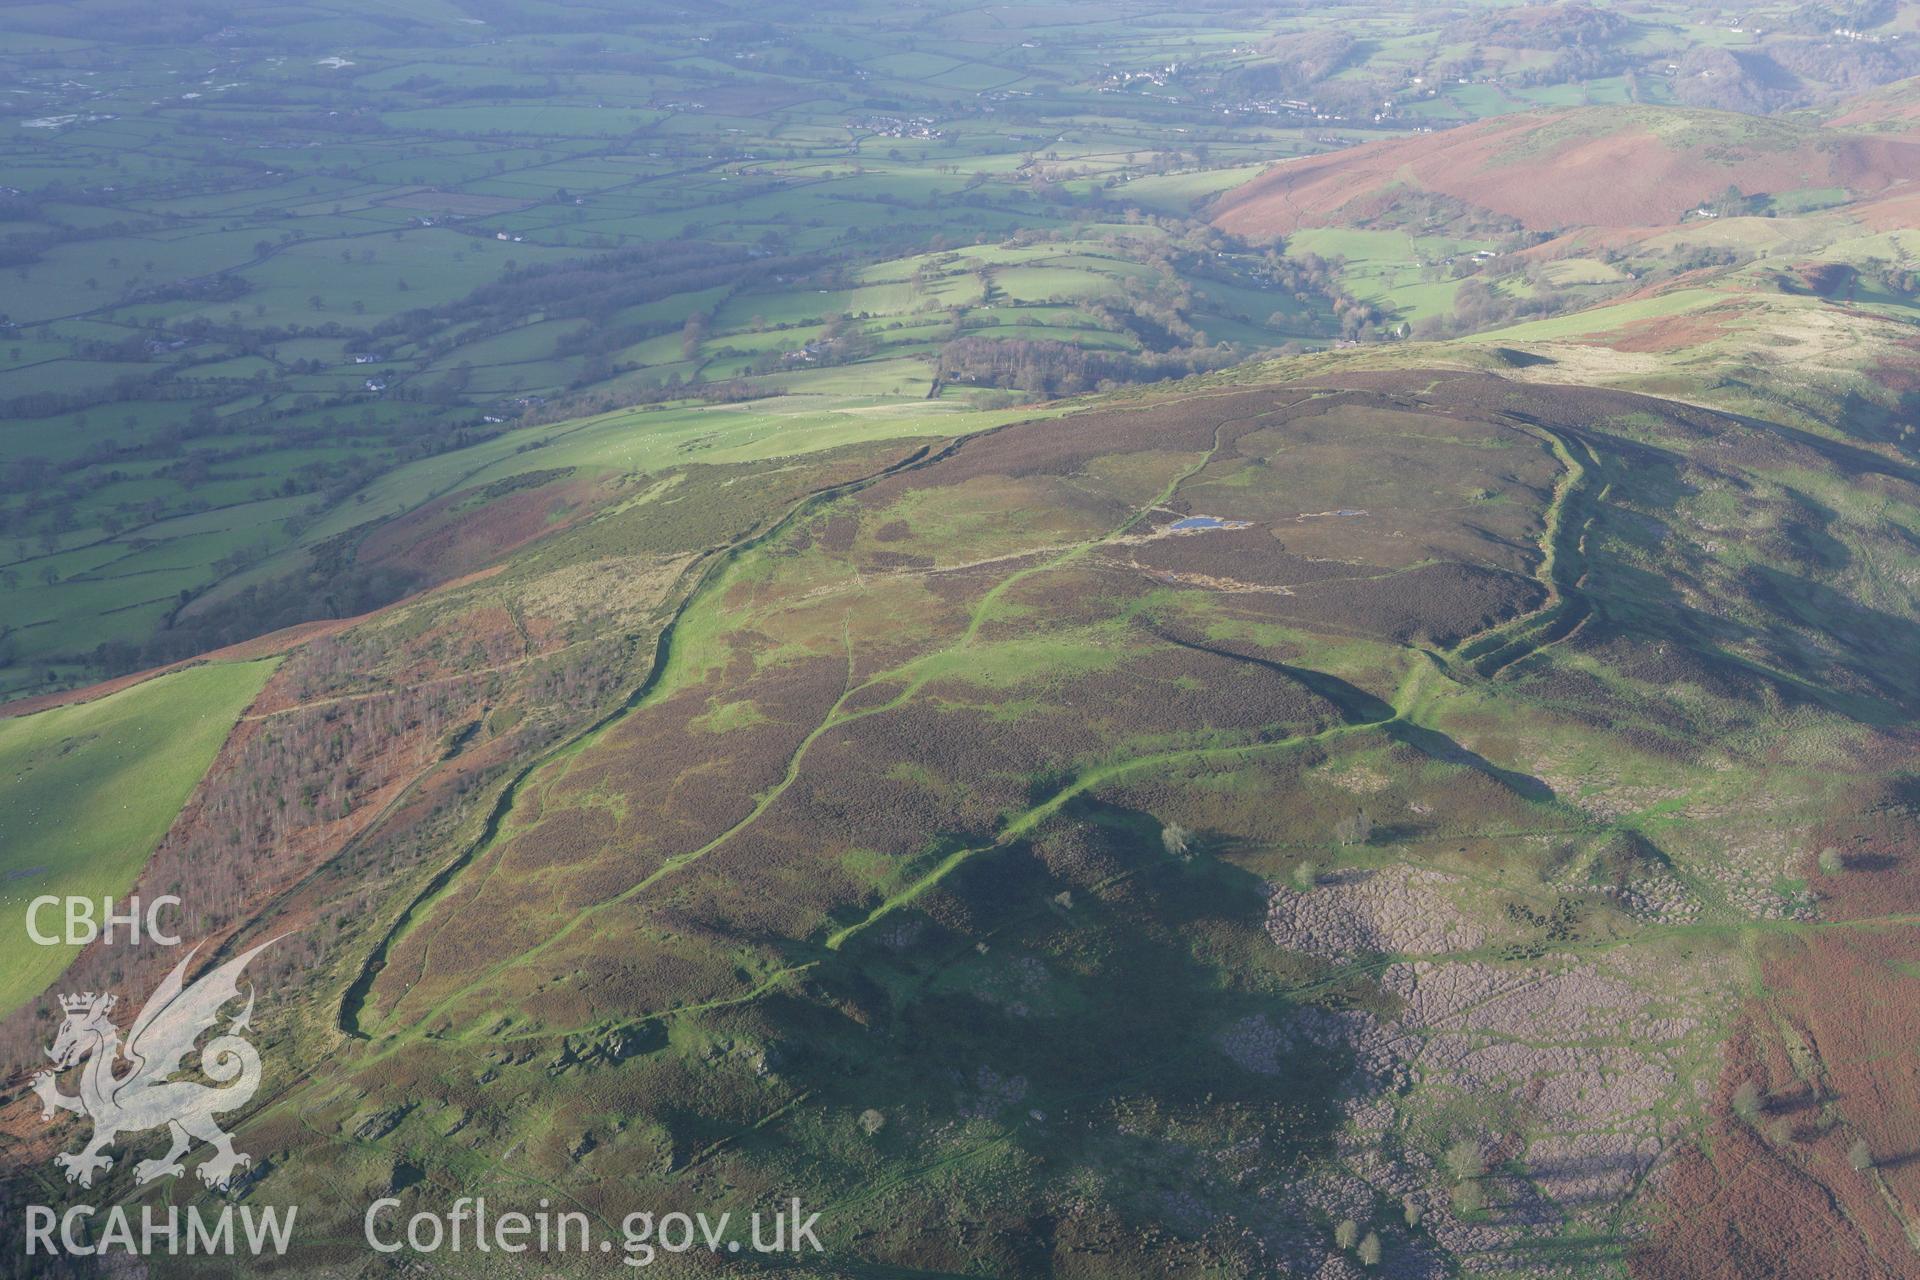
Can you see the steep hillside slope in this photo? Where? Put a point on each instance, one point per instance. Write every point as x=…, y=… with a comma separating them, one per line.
x=1893, y=109
x=1548, y=171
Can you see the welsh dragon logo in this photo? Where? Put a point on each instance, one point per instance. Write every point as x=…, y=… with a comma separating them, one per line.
x=146, y=1097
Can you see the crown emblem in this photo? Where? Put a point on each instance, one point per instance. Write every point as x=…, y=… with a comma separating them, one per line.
x=163, y=1037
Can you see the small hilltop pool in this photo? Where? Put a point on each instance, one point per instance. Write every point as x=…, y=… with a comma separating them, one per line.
x=1205, y=522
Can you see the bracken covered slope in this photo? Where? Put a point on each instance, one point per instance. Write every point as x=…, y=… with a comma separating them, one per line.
x=1548, y=171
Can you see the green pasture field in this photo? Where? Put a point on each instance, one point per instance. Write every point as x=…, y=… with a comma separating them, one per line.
x=1603, y=319
x=92, y=787
x=1402, y=274
x=651, y=442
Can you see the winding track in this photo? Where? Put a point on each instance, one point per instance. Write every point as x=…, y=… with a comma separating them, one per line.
x=710, y=571
x=1481, y=656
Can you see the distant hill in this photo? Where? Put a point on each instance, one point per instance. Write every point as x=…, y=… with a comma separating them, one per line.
x=1556, y=27
x=1593, y=166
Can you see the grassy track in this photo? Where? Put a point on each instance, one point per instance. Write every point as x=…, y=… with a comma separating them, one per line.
x=705, y=582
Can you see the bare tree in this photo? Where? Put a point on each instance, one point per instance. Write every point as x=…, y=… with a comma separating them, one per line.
x=1463, y=1160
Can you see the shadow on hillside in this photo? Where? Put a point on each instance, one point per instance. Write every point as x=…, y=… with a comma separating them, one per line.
x=1360, y=708
x=1865, y=671
x=1088, y=999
